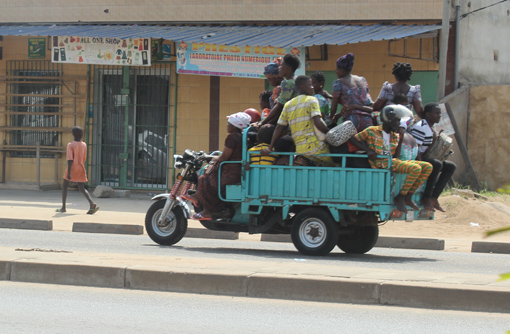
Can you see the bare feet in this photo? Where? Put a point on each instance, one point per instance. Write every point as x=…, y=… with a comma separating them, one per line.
x=436, y=205
x=409, y=202
x=400, y=203
x=427, y=203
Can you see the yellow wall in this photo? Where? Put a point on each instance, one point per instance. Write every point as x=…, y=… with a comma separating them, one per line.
x=236, y=94
x=25, y=169
x=216, y=10
x=488, y=128
x=373, y=62
x=193, y=112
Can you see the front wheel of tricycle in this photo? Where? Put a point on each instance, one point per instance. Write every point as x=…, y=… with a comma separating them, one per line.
x=314, y=232
x=359, y=239
x=171, y=230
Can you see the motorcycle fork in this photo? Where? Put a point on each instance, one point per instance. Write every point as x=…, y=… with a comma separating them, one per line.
x=172, y=199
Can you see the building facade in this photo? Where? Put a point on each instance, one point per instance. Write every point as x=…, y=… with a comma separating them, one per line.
x=137, y=117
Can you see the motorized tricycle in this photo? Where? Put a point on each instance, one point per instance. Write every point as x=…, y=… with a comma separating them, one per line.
x=320, y=207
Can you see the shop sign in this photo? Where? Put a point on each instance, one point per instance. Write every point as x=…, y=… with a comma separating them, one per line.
x=36, y=48
x=103, y=51
x=231, y=61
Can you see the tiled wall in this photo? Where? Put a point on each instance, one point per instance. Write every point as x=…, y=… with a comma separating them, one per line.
x=216, y=10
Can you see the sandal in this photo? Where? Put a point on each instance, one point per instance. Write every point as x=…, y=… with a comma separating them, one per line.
x=93, y=210
x=198, y=216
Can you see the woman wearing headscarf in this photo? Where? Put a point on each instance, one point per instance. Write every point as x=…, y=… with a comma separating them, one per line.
x=272, y=75
x=402, y=73
x=207, y=191
x=351, y=91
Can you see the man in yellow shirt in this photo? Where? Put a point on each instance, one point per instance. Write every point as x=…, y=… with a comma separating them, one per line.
x=301, y=114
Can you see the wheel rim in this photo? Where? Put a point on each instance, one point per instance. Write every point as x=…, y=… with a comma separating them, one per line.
x=169, y=225
x=312, y=232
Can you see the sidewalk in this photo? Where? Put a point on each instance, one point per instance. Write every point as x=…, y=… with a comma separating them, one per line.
x=41, y=205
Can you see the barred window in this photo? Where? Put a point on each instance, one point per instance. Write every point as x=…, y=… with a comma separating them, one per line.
x=34, y=95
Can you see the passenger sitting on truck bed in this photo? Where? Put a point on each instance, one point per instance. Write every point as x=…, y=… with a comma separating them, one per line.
x=263, y=140
x=382, y=140
x=301, y=114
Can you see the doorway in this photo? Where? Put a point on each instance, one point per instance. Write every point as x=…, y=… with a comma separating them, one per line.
x=133, y=116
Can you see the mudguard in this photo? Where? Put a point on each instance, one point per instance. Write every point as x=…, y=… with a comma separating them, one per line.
x=183, y=204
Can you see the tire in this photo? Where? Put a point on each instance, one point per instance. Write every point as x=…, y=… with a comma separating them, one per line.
x=358, y=239
x=170, y=234
x=314, y=232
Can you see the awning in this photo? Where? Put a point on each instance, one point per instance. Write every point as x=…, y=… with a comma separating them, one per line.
x=274, y=35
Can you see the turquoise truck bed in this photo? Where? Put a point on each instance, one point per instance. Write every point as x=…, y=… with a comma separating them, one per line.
x=337, y=188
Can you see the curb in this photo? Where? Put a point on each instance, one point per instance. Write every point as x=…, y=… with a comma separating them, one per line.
x=427, y=295
x=490, y=247
x=107, y=228
x=384, y=242
x=204, y=233
x=245, y=284
x=410, y=243
x=26, y=224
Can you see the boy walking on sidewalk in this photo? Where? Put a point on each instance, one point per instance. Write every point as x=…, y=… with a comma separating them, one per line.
x=75, y=172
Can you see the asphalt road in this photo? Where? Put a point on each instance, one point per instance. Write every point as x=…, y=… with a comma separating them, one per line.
x=384, y=258
x=40, y=308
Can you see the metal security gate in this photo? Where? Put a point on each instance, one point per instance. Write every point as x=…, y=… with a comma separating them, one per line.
x=133, y=114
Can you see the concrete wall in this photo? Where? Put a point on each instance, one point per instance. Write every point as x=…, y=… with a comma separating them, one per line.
x=482, y=40
x=488, y=133
x=459, y=103
x=53, y=11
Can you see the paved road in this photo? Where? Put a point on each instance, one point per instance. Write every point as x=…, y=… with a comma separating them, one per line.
x=398, y=259
x=39, y=308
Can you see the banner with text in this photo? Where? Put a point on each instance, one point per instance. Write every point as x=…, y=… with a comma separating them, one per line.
x=103, y=51
x=231, y=61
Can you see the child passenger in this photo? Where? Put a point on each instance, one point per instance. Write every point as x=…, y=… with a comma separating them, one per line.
x=318, y=81
x=264, y=139
x=265, y=106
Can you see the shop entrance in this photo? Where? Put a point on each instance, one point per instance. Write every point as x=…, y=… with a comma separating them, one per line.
x=133, y=126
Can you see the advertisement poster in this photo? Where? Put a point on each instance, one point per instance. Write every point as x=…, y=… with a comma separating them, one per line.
x=161, y=51
x=36, y=48
x=103, y=51
x=231, y=61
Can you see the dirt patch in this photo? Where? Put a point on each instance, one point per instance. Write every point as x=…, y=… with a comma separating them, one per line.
x=465, y=218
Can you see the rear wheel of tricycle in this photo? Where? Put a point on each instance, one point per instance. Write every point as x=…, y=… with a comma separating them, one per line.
x=171, y=230
x=358, y=239
x=314, y=232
